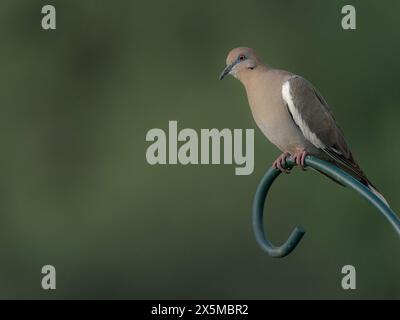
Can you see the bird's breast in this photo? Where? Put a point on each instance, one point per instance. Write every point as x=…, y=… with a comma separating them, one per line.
x=271, y=114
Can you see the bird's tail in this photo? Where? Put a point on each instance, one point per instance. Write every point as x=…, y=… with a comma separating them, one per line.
x=365, y=182
x=377, y=193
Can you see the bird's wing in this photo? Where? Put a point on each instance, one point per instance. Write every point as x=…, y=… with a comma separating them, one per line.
x=314, y=118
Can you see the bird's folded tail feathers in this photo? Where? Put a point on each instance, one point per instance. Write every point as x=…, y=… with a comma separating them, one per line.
x=364, y=181
x=378, y=194
x=351, y=166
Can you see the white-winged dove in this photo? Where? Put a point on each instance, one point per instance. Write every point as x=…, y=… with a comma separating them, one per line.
x=292, y=114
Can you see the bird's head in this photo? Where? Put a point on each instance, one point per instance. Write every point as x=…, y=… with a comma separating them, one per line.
x=240, y=61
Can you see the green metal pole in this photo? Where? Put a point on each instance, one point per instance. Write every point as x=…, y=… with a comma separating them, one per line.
x=297, y=234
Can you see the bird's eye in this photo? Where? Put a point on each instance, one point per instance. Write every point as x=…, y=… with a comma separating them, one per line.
x=242, y=57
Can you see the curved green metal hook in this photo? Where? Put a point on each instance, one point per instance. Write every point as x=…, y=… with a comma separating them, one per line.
x=298, y=232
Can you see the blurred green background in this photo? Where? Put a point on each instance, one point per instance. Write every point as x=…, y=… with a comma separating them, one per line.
x=76, y=191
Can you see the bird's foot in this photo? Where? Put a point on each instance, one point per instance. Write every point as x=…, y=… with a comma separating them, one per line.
x=280, y=162
x=299, y=158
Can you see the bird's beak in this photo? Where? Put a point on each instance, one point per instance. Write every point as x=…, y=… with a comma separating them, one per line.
x=226, y=71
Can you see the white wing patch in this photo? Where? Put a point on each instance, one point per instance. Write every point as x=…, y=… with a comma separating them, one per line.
x=308, y=134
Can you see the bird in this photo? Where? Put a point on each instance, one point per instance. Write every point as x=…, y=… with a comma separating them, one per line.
x=293, y=115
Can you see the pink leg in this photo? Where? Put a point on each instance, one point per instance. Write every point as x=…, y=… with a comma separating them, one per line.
x=280, y=162
x=299, y=158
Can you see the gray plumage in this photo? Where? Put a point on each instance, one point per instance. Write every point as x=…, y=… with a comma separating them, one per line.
x=318, y=117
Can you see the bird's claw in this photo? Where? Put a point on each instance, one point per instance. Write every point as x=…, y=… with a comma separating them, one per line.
x=299, y=158
x=279, y=163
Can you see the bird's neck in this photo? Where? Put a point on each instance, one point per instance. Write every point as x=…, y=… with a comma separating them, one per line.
x=248, y=76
